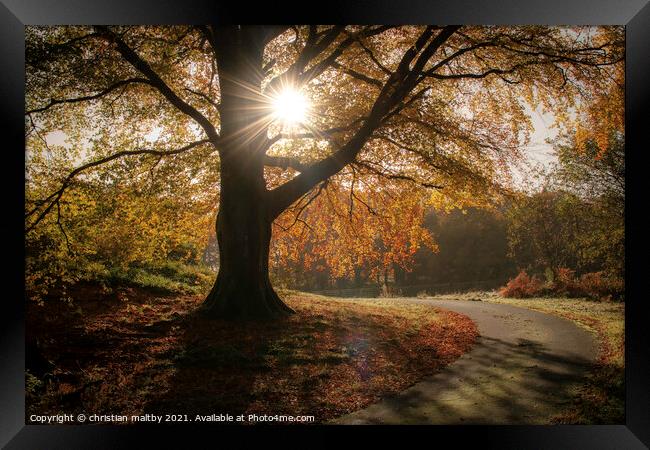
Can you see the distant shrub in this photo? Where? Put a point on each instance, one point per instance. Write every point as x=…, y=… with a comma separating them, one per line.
x=564, y=283
x=32, y=383
x=600, y=286
x=549, y=274
x=594, y=285
x=522, y=286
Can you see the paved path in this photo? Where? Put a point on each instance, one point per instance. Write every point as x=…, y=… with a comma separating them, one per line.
x=520, y=371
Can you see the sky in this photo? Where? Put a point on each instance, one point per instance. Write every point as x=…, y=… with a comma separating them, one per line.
x=538, y=154
x=539, y=151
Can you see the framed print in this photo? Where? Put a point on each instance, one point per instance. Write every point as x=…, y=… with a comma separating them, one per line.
x=412, y=216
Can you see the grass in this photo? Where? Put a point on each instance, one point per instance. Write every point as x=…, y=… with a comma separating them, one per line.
x=170, y=277
x=141, y=353
x=601, y=400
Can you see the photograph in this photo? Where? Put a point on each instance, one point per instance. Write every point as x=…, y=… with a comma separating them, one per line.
x=325, y=224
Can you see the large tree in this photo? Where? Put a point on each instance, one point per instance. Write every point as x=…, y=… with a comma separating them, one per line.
x=441, y=107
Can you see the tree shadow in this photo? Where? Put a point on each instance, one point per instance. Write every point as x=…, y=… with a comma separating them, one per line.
x=214, y=366
x=289, y=367
x=499, y=382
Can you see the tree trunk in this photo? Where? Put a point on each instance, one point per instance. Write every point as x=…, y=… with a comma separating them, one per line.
x=400, y=275
x=243, y=289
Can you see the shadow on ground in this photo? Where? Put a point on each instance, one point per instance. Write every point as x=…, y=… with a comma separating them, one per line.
x=499, y=382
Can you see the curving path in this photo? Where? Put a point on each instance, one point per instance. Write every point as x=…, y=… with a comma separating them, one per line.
x=520, y=371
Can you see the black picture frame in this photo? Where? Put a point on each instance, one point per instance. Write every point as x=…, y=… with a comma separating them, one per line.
x=15, y=14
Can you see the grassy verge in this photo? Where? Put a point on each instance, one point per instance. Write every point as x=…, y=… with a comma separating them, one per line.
x=169, y=277
x=601, y=400
x=148, y=354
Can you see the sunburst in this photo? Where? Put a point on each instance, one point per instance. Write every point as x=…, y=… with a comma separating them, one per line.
x=290, y=107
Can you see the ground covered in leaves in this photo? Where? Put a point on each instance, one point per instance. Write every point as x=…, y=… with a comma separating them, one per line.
x=131, y=352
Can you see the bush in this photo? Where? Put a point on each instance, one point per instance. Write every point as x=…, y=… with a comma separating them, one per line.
x=522, y=286
x=563, y=283
x=600, y=286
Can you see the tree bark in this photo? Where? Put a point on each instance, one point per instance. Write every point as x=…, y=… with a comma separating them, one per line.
x=243, y=289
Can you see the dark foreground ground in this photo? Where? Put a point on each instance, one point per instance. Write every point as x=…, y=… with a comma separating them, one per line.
x=132, y=352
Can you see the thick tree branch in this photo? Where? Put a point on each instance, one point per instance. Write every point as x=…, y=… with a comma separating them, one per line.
x=141, y=65
x=284, y=162
x=457, y=54
x=312, y=49
x=298, y=74
x=274, y=31
x=358, y=75
x=550, y=59
x=493, y=71
x=585, y=52
x=208, y=35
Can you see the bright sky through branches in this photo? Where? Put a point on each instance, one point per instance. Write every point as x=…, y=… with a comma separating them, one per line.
x=291, y=109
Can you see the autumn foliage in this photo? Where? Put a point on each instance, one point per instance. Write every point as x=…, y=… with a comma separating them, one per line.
x=348, y=229
x=522, y=286
x=604, y=113
x=564, y=283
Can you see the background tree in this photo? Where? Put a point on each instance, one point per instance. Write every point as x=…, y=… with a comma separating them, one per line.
x=545, y=230
x=577, y=221
x=473, y=247
x=442, y=107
